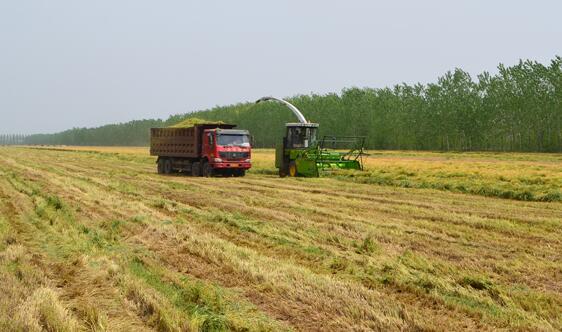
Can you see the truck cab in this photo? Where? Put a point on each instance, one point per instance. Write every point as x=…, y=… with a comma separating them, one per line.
x=226, y=151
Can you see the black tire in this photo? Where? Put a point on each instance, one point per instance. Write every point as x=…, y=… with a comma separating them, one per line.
x=196, y=169
x=239, y=172
x=160, y=166
x=168, y=166
x=207, y=170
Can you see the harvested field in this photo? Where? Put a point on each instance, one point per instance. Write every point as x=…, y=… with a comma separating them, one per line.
x=94, y=239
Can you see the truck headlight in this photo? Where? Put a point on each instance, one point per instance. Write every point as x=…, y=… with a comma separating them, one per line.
x=218, y=160
x=248, y=160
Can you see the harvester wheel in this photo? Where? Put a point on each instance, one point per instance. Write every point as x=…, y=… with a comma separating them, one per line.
x=196, y=169
x=160, y=166
x=293, y=169
x=207, y=169
x=167, y=166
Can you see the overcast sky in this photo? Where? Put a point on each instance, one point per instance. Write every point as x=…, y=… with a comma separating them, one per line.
x=67, y=64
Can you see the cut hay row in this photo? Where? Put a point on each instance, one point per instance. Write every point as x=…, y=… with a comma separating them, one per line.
x=263, y=253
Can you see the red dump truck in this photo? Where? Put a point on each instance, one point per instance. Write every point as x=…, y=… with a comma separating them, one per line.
x=202, y=150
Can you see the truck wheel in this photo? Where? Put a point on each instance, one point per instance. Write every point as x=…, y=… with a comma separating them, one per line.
x=207, y=170
x=293, y=169
x=239, y=172
x=196, y=169
x=167, y=166
x=160, y=166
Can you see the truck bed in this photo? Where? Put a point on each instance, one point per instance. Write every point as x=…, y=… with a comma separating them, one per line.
x=180, y=142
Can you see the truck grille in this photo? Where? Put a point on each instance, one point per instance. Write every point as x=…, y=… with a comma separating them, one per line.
x=233, y=155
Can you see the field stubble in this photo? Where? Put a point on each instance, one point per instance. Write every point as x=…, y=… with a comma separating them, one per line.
x=97, y=241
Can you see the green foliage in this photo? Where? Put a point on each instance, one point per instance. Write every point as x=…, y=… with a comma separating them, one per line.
x=55, y=202
x=191, y=122
x=12, y=139
x=133, y=133
x=205, y=306
x=517, y=109
x=368, y=245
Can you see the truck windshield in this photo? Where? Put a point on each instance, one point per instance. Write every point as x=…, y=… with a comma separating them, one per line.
x=233, y=140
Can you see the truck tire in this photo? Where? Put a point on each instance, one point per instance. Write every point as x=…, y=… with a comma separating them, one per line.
x=293, y=169
x=196, y=169
x=160, y=166
x=167, y=166
x=207, y=169
x=188, y=168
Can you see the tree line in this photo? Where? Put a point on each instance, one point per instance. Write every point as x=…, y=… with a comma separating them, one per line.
x=517, y=109
x=12, y=139
x=133, y=133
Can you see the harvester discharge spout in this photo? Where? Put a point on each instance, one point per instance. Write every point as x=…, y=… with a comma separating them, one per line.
x=292, y=107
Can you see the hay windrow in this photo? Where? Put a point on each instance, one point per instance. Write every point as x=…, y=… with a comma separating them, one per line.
x=123, y=245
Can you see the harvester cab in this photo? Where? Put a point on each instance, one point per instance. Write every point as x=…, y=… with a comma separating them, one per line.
x=300, y=135
x=303, y=153
x=292, y=157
